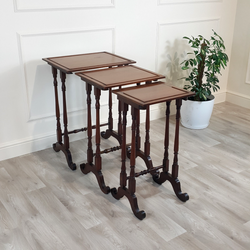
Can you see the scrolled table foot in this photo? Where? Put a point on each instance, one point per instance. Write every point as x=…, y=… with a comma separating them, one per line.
x=105, y=189
x=175, y=184
x=60, y=147
x=108, y=133
x=183, y=196
x=118, y=194
x=160, y=178
x=84, y=169
x=72, y=166
x=56, y=147
x=140, y=214
x=105, y=134
x=177, y=189
x=87, y=167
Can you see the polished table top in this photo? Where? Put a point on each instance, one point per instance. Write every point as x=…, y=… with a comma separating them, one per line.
x=74, y=63
x=118, y=76
x=148, y=94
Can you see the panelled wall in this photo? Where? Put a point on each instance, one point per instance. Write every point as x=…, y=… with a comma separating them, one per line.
x=238, y=89
x=147, y=31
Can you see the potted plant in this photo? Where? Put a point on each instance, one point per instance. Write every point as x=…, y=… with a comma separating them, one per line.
x=204, y=66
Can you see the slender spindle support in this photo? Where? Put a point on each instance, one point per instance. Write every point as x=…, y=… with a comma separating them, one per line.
x=110, y=119
x=119, y=117
x=132, y=182
x=89, y=150
x=58, y=124
x=147, y=126
x=98, y=159
x=123, y=174
x=65, y=118
x=175, y=166
x=166, y=140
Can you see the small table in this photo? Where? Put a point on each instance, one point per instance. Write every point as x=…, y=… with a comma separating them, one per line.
x=68, y=65
x=106, y=79
x=141, y=97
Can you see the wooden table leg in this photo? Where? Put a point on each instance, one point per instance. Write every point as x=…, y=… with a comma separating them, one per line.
x=110, y=132
x=145, y=155
x=58, y=124
x=59, y=145
x=86, y=168
x=123, y=174
x=165, y=161
x=89, y=166
x=165, y=175
x=123, y=190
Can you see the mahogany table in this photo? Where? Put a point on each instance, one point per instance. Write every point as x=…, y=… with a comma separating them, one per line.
x=68, y=65
x=141, y=97
x=106, y=79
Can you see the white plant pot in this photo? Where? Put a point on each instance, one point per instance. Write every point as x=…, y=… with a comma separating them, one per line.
x=196, y=114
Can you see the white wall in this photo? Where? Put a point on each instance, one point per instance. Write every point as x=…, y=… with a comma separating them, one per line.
x=148, y=31
x=239, y=76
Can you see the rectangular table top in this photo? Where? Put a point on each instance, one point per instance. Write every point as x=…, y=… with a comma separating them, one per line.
x=74, y=63
x=118, y=76
x=148, y=94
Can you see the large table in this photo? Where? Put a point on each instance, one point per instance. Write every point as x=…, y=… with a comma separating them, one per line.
x=106, y=79
x=141, y=97
x=68, y=65
x=104, y=71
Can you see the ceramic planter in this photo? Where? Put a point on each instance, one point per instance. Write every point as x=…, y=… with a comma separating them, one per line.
x=196, y=114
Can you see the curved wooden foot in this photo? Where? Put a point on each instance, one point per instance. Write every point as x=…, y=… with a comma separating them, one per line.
x=175, y=184
x=106, y=134
x=57, y=147
x=117, y=194
x=86, y=168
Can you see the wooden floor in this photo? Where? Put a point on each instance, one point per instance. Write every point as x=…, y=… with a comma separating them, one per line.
x=45, y=205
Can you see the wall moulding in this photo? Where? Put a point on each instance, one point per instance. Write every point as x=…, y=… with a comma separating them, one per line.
x=163, y=2
x=171, y=50
x=48, y=5
x=248, y=71
x=37, y=76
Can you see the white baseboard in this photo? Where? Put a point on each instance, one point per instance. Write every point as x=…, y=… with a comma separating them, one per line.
x=25, y=146
x=32, y=144
x=238, y=99
x=220, y=97
x=40, y=142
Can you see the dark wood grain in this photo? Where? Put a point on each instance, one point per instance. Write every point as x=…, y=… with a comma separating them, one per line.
x=68, y=65
x=73, y=63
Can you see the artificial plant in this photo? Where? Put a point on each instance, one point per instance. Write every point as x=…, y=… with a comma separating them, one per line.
x=209, y=58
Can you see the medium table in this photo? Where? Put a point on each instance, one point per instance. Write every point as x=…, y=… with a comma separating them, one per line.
x=68, y=65
x=106, y=79
x=141, y=97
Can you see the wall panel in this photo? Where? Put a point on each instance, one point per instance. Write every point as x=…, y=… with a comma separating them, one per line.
x=172, y=49
x=185, y=1
x=149, y=32
x=37, y=73
x=31, y=5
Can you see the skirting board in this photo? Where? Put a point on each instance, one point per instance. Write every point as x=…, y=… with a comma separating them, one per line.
x=29, y=145
x=33, y=144
x=238, y=99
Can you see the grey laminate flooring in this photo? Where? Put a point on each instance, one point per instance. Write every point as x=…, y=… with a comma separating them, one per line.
x=45, y=205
